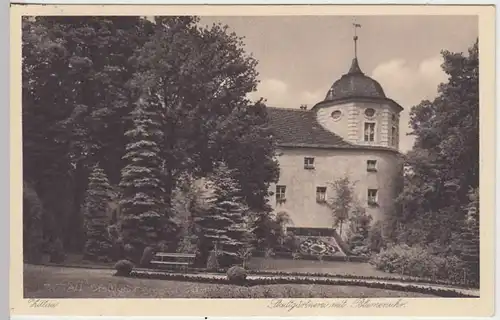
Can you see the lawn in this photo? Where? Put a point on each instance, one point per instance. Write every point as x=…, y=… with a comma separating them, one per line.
x=311, y=266
x=59, y=282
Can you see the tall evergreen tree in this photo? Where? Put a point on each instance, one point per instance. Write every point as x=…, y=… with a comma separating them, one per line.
x=225, y=226
x=98, y=245
x=145, y=217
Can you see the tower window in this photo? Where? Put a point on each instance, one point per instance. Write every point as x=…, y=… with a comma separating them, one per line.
x=371, y=165
x=369, y=131
x=280, y=194
x=372, y=197
x=308, y=163
x=393, y=136
x=336, y=114
x=320, y=194
x=394, y=118
x=370, y=112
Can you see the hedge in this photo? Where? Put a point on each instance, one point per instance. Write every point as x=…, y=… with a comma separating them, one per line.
x=298, y=280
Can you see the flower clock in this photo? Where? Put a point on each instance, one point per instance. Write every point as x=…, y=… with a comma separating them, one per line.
x=315, y=246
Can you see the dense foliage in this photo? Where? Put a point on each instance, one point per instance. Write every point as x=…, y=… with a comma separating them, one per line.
x=442, y=169
x=90, y=88
x=444, y=162
x=416, y=261
x=33, y=241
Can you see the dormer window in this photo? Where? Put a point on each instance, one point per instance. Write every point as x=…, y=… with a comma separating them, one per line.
x=369, y=131
x=308, y=163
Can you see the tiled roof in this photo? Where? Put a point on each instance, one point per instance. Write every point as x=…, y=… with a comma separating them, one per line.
x=295, y=127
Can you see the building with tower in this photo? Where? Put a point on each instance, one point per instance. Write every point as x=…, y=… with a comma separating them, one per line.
x=354, y=133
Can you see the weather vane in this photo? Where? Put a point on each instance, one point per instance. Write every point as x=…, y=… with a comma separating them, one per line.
x=355, y=38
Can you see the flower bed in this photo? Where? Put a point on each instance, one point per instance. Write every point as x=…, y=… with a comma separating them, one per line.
x=216, y=279
x=405, y=279
x=350, y=276
x=289, y=255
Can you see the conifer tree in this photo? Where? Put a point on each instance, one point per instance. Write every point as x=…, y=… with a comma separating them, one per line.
x=224, y=225
x=145, y=218
x=98, y=245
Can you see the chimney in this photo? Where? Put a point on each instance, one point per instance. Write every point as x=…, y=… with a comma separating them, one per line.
x=303, y=107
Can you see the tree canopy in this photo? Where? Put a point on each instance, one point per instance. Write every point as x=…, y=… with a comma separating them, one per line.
x=444, y=161
x=82, y=80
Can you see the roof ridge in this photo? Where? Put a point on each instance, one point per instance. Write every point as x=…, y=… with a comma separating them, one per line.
x=288, y=108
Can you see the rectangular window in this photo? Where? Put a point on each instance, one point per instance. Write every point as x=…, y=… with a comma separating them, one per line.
x=369, y=131
x=320, y=194
x=308, y=163
x=280, y=193
x=371, y=165
x=372, y=197
x=393, y=136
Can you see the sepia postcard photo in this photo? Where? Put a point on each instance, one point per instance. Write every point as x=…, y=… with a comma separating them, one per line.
x=252, y=160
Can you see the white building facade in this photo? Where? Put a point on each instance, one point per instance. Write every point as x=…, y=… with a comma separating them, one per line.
x=354, y=133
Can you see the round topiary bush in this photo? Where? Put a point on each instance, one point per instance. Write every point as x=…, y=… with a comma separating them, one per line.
x=236, y=274
x=123, y=268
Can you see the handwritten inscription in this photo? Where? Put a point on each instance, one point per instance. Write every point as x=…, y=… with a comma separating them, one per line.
x=289, y=305
x=42, y=303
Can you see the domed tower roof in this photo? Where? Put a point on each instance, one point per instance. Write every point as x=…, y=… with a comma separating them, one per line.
x=355, y=84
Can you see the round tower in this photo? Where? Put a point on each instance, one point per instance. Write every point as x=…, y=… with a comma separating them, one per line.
x=357, y=109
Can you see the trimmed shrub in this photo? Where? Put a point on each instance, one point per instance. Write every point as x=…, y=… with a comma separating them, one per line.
x=236, y=274
x=123, y=268
x=147, y=255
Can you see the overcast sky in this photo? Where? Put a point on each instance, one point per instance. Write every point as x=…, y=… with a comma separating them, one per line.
x=301, y=56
